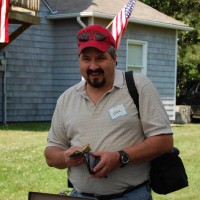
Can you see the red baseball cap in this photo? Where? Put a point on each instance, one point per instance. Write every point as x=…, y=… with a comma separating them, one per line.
x=95, y=36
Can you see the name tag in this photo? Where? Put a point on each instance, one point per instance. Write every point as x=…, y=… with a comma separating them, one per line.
x=117, y=111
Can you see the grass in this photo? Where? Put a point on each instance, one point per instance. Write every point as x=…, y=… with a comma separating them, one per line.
x=23, y=167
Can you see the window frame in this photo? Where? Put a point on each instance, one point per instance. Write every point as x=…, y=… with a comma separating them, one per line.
x=144, y=45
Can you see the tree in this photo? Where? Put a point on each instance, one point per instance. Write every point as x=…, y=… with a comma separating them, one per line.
x=188, y=12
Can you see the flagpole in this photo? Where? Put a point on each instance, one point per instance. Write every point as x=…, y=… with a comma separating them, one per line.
x=109, y=24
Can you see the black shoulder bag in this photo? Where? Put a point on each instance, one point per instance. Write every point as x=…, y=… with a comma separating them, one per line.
x=167, y=173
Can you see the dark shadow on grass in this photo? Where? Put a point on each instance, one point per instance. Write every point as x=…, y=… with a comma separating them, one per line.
x=26, y=126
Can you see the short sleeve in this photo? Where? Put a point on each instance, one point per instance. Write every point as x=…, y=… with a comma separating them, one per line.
x=153, y=115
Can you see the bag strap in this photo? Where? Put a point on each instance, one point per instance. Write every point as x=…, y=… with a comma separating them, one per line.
x=132, y=89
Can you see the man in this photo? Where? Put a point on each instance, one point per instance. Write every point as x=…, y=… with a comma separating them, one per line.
x=100, y=111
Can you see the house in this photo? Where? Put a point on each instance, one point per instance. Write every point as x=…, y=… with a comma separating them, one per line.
x=22, y=14
x=42, y=62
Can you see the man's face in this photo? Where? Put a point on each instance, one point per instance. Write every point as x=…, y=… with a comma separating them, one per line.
x=97, y=67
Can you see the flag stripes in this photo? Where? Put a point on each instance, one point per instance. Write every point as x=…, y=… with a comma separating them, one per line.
x=4, y=35
x=121, y=20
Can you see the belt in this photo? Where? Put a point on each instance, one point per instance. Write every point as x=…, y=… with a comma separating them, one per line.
x=118, y=195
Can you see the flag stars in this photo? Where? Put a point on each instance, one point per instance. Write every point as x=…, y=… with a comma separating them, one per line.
x=129, y=8
x=121, y=20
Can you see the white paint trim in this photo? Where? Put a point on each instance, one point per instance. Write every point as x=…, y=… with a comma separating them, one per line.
x=176, y=68
x=78, y=19
x=91, y=21
x=160, y=24
x=49, y=7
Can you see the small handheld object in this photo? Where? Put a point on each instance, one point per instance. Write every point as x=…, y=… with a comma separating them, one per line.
x=86, y=148
x=91, y=161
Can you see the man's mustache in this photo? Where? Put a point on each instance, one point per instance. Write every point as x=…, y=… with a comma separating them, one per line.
x=97, y=71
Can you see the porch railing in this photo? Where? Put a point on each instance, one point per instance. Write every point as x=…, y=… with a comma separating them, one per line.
x=33, y=5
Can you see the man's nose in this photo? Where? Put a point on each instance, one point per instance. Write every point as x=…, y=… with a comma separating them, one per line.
x=93, y=65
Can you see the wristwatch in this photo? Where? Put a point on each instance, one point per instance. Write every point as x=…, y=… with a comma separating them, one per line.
x=124, y=158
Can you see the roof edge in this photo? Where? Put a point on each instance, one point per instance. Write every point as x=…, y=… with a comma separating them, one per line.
x=159, y=24
x=133, y=20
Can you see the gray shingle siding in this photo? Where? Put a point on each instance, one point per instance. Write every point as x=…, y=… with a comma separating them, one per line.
x=42, y=63
x=29, y=74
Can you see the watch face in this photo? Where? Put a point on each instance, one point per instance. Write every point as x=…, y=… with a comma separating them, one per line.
x=124, y=159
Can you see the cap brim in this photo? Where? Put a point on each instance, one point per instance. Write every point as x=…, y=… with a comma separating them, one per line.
x=102, y=46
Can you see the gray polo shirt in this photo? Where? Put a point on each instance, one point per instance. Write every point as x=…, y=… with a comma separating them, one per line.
x=111, y=125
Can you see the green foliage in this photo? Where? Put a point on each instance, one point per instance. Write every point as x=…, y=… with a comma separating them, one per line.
x=169, y=7
x=188, y=12
x=186, y=73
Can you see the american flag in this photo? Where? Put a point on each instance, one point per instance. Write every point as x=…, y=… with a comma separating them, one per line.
x=4, y=35
x=121, y=20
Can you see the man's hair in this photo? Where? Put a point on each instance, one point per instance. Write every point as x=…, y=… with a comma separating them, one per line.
x=111, y=50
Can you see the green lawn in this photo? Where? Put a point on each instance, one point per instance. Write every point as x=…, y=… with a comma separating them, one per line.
x=23, y=168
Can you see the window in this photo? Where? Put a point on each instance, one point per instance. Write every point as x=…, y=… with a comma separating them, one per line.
x=137, y=56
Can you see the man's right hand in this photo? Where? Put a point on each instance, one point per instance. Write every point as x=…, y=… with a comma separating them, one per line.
x=58, y=157
x=75, y=161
